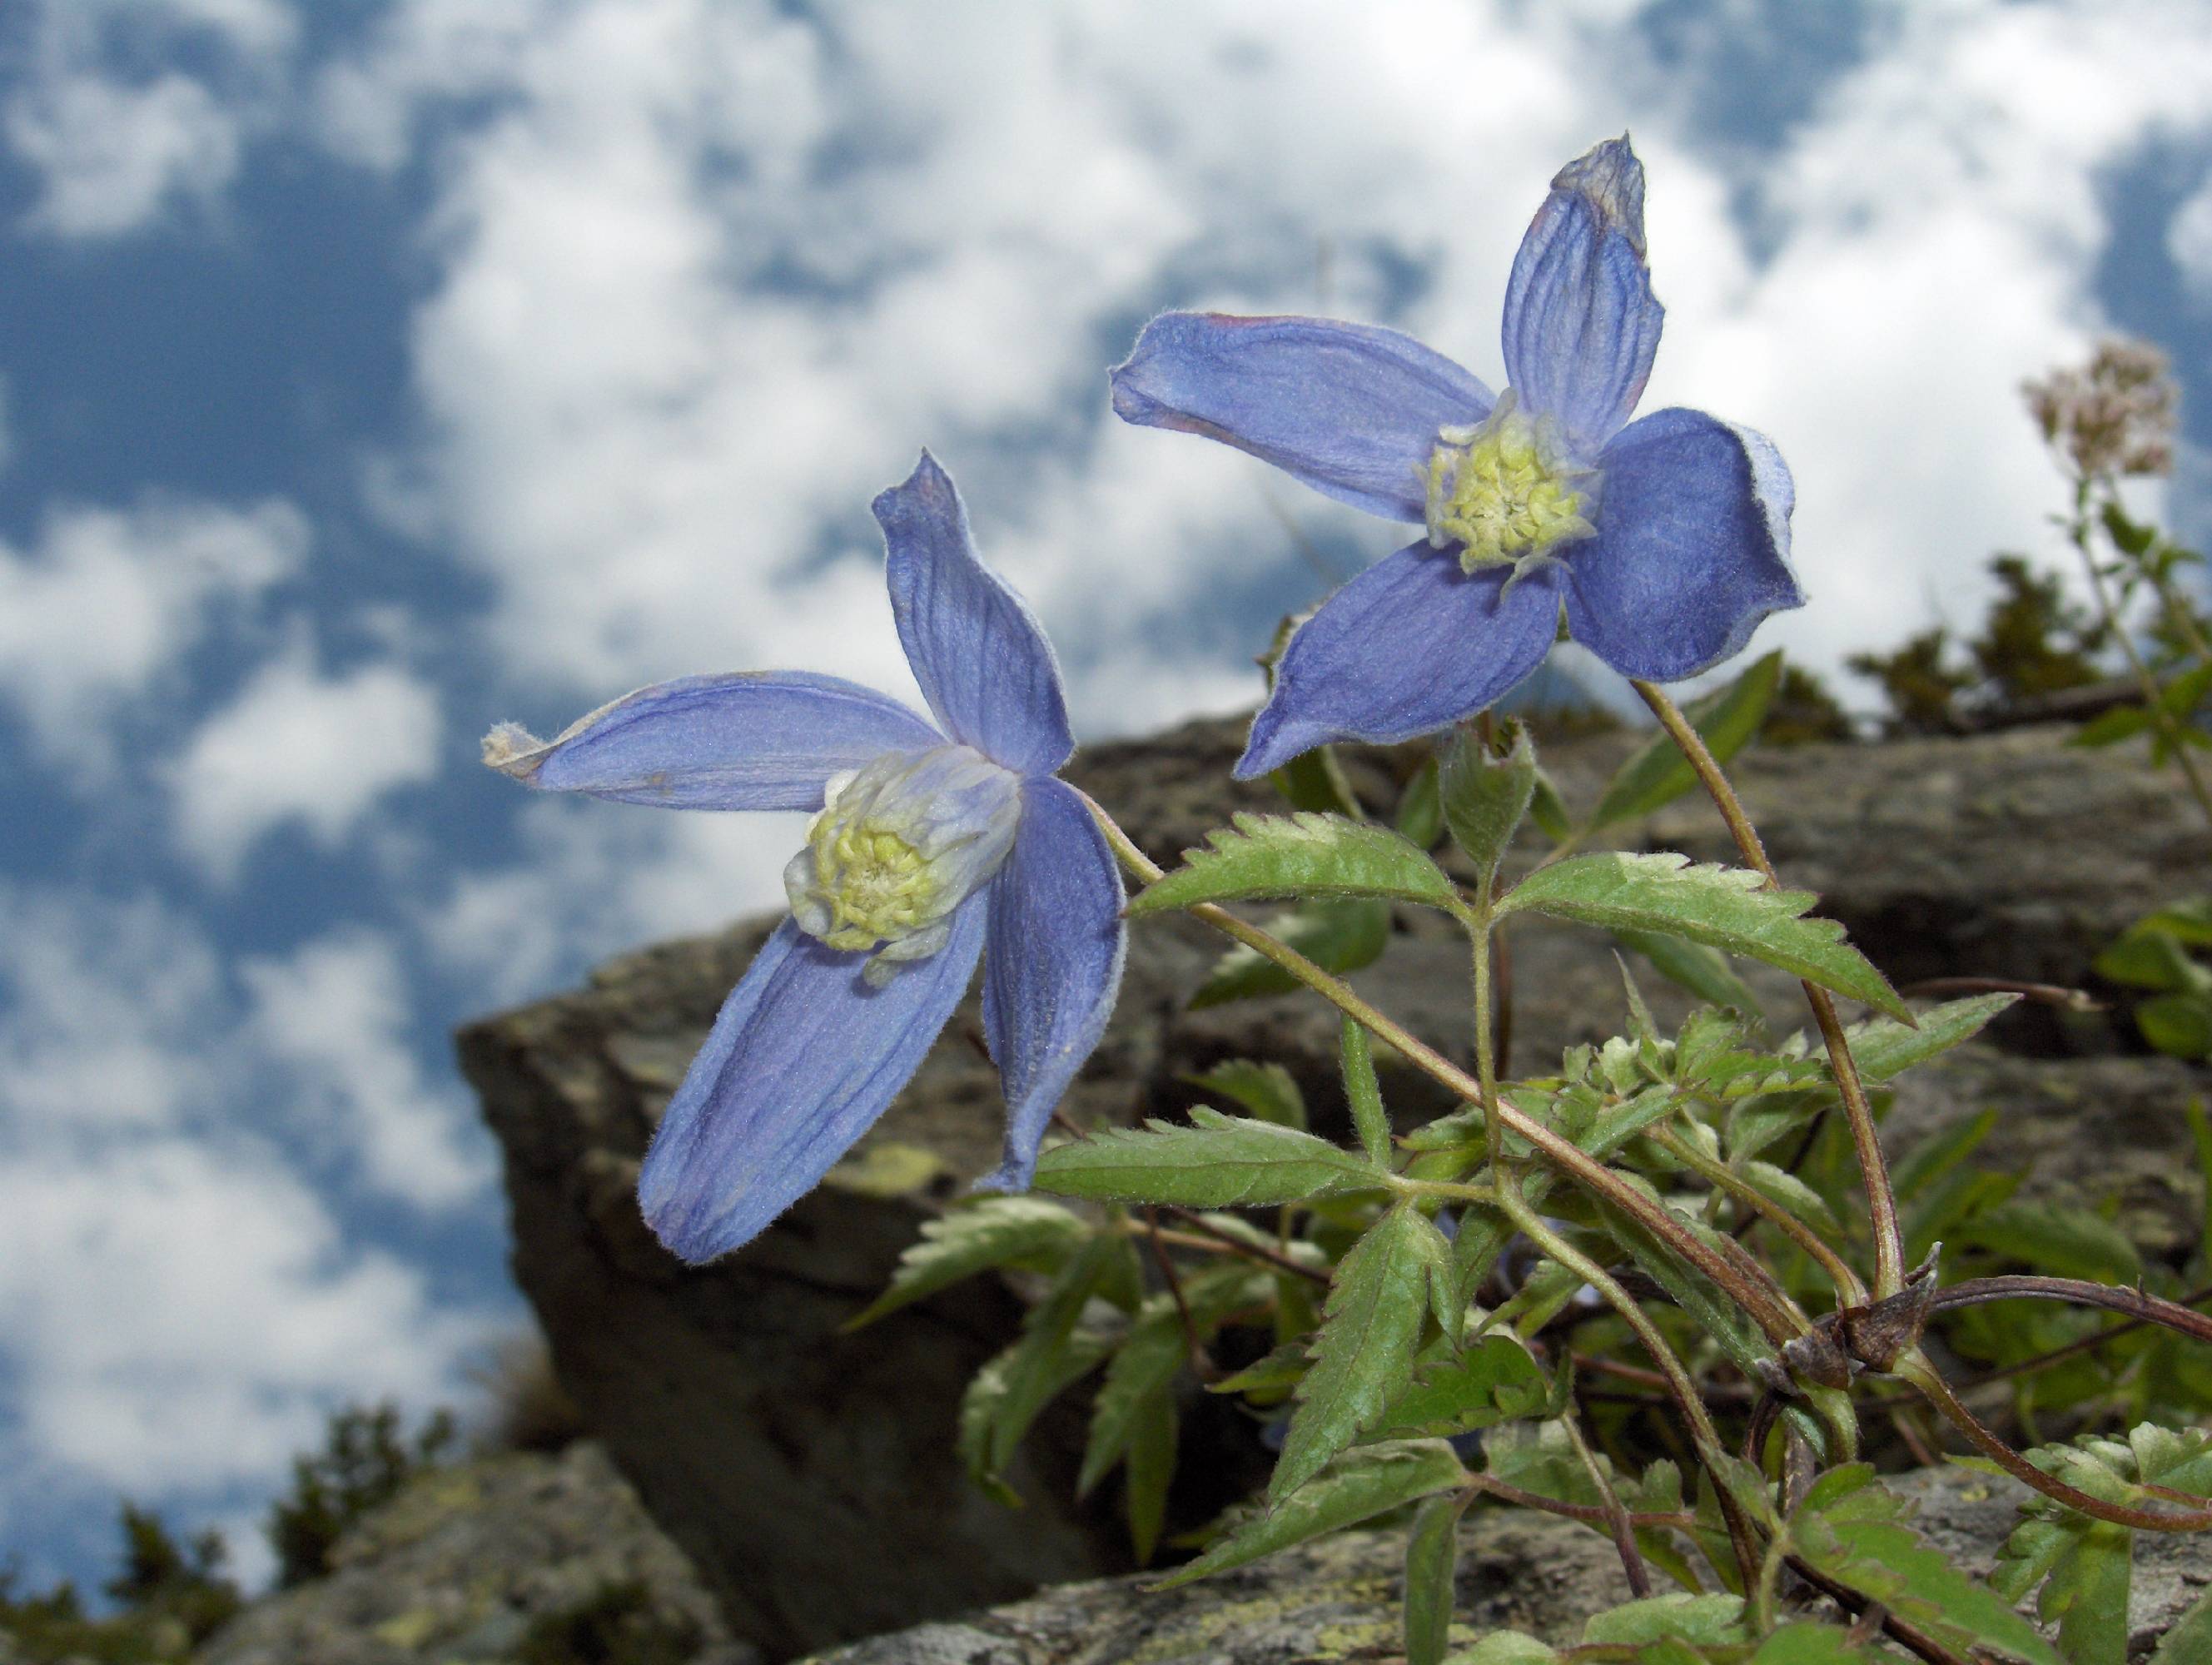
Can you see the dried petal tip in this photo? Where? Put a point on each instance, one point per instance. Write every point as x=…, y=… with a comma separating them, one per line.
x=1611, y=179
x=513, y=749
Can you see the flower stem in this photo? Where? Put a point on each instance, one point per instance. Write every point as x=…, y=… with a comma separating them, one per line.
x=1849, y=1290
x=1882, y=1197
x=1764, y=1300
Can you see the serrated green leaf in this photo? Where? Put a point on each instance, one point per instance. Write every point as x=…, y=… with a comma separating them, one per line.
x=1363, y=1092
x=1703, y=971
x=1363, y=1354
x=1431, y=1569
x=1795, y=1197
x=2068, y=1242
x=1038, y=1366
x=1150, y=1470
x=1726, y=721
x=1882, y=1049
x=1336, y=936
x=1281, y=1369
x=1153, y=1353
x=1361, y=1483
x=1420, y=817
x=2190, y=1640
x=1494, y=1381
x=1714, y=1310
x=1720, y=907
x=1699, y=1619
x=1027, y=1232
x=1486, y=795
x=1856, y=1534
x=1300, y=855
x=1217, y=1162
x=983, y=1404
x=1268, y=1092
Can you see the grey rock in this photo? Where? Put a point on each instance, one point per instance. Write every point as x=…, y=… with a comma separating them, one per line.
x=472, y=1561
x=808, y=1473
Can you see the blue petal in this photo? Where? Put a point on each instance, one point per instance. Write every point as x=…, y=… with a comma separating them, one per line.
x=1411, y=646
x=1053, y=965
x=803, y=1058
x=1350, y=409
x=1581, y=322
x=1693, y=547
x=753, y=740
x=978, y=652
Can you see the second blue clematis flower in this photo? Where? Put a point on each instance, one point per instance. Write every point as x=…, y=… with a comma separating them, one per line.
x=1665, y=540
x=929, y=847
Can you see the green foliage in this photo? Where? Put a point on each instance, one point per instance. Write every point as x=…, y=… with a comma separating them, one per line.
x=1365, y=1092
x=1363, y=1354
x=1363, y=1483
x=1723, y=907
x=2153, y=953
x=1217, y=1162
x=2080, y=1567
x=1803, y=712
x=367, y=1457
x=1268, y=1091
x=169, y=1598
x=1431, y=1567
x=1338, y=936
x=1303, y=854
x=1726, y=721
x=1023, y=1232
x=1485, y=793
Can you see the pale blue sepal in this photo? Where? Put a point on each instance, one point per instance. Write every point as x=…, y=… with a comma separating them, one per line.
x=1582, y=324
x=1692, y=548
x=751, y=741
x=1411, y=646
x=979, y=654
x=803, y=1058
x=1052, y=966
x=1350, y=409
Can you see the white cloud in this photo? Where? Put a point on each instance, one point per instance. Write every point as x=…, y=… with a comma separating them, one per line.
x=2189, y=242
x=183, y=1315
x=335, y=1014
x=180, y=1305
x=100, y=609
x=298, y=746
x=114, y=157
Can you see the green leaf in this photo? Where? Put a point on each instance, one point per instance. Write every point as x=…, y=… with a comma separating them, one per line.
x=1151, y=1468
x=2131, y=536
x=1507, y=1648
x=1217, y=1162
x=2067, y=1242
x=1853, y=1529
x=1363, y=1354
x=1358, y=1485
x=1937, y=1155
x=1494, y=1381
x=1549, y=811
x=1486, y=795
x=1421, y=818
x=1303, y=854
x=2083, y=1564
x=1336, y=936
x=1700, y=1618
x=2190, y=1641
x=1038, y=1367
x=2178, y=1025
x=2145, y=957
x=1027, y=1232
x=2200, y=1133
x=1364, y=1092
x=1703, y=971
x=1659, y=774
x=1807, y=1643
x=984, y=1405
x=1713, y=1308
x=2121, y=722
x=1153, y=1353
x=1721, y=906
x=1267, y=1092
x=1796, y=1196
x=1431, y=1572
x=1282, y=1369
x=1315, y=781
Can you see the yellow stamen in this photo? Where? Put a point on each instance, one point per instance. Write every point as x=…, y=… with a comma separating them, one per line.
x=1505, y=490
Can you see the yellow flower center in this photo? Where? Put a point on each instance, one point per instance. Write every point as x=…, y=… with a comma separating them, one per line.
x=1506, y=489
x=877, y=886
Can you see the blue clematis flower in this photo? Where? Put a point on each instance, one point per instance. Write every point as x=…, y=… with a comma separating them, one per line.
x=1665, y=540
x=927, y=849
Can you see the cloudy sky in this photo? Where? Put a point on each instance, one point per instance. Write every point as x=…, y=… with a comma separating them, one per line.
x=372, y=370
